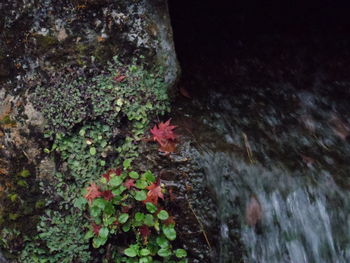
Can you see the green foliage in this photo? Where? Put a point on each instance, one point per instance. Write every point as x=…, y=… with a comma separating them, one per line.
x=124, y=98
x=63, y=238
x=66, y=102
x=132, y=211
x=86, y=155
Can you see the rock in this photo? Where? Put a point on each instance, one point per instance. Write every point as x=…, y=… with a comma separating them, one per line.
x=2, y=258
x=62, y=34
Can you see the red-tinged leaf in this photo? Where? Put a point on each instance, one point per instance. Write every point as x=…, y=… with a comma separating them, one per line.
x=169, y=221
x=118, y=171
x=119, y=78
x=95, y=229
x=185, y=93
x=144, y=232
x=92, y=192
x=125, y=209
x=108, y=174
x=107, y=195
x=253, y=211
x=155, y=192
x=129, y=183
x=168, y=147
x=172, y=195
x=163, y=132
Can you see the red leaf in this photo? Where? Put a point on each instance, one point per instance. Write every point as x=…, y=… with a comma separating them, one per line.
x=129, y=183
x=155, y=192
x=125, y=209
x=169, y=221
x=185, y=93
x=163, y=132
x=144, y=232
x=119, y=78
x=92, y=192
x=107, y=195
x=95, y=229
x=108, y=174
x=168, y=147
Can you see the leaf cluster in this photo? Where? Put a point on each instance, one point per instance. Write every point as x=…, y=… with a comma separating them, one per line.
x=63, y=239
x=131, y=213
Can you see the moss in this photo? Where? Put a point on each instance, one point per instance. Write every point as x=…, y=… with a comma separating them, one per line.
x=46, y=42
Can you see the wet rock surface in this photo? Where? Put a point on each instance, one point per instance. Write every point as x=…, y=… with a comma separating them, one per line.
x=40, y=39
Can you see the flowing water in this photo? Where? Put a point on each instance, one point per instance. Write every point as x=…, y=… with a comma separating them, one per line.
x=276, y=159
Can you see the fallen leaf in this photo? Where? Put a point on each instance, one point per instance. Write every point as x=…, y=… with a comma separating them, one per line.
x=92, y=192
x=129, y=183
x=155, y=192
x=253, y=212
x=119, y=78
x=107, y=195
x=163, y=132
x=185, y=93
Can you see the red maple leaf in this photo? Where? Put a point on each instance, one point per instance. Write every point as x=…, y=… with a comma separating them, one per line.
x=129, y=183
x=95, y=229
x=155, y=192
x=92, y=192
x=107, y=195
x=163, y=132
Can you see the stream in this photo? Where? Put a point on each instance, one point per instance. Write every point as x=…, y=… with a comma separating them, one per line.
x=272, y=136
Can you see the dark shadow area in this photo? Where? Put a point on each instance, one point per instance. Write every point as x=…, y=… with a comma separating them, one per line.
x=290, y=35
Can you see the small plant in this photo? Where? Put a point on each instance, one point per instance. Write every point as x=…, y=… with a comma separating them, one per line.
x=125, y=206
x=63, y=237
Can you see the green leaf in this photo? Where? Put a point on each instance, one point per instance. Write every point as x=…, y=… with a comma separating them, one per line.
x=100, y=203
x=141, y=184
x=149, y=220
x=149, y=176
x=140, y=195
x=144, y=252
x=146, y=260
x=80, y=202
x=82, y=132
x=126, y=227
x=109, y=209
x=123, y=218
x=151, y=207
x=134, y=175
x=169, y=232
x=89, y=234
x=95, y=211
x=139, y=216
x=115, y=181
x=103, y=232
x=127, y=163
x=92, y=150
x=24, y=173
x=180, y=253
x=163, y=215
x=99, y=241
x=164, y=252
x=130, y=252
x=119, y=190
x=162, y=242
